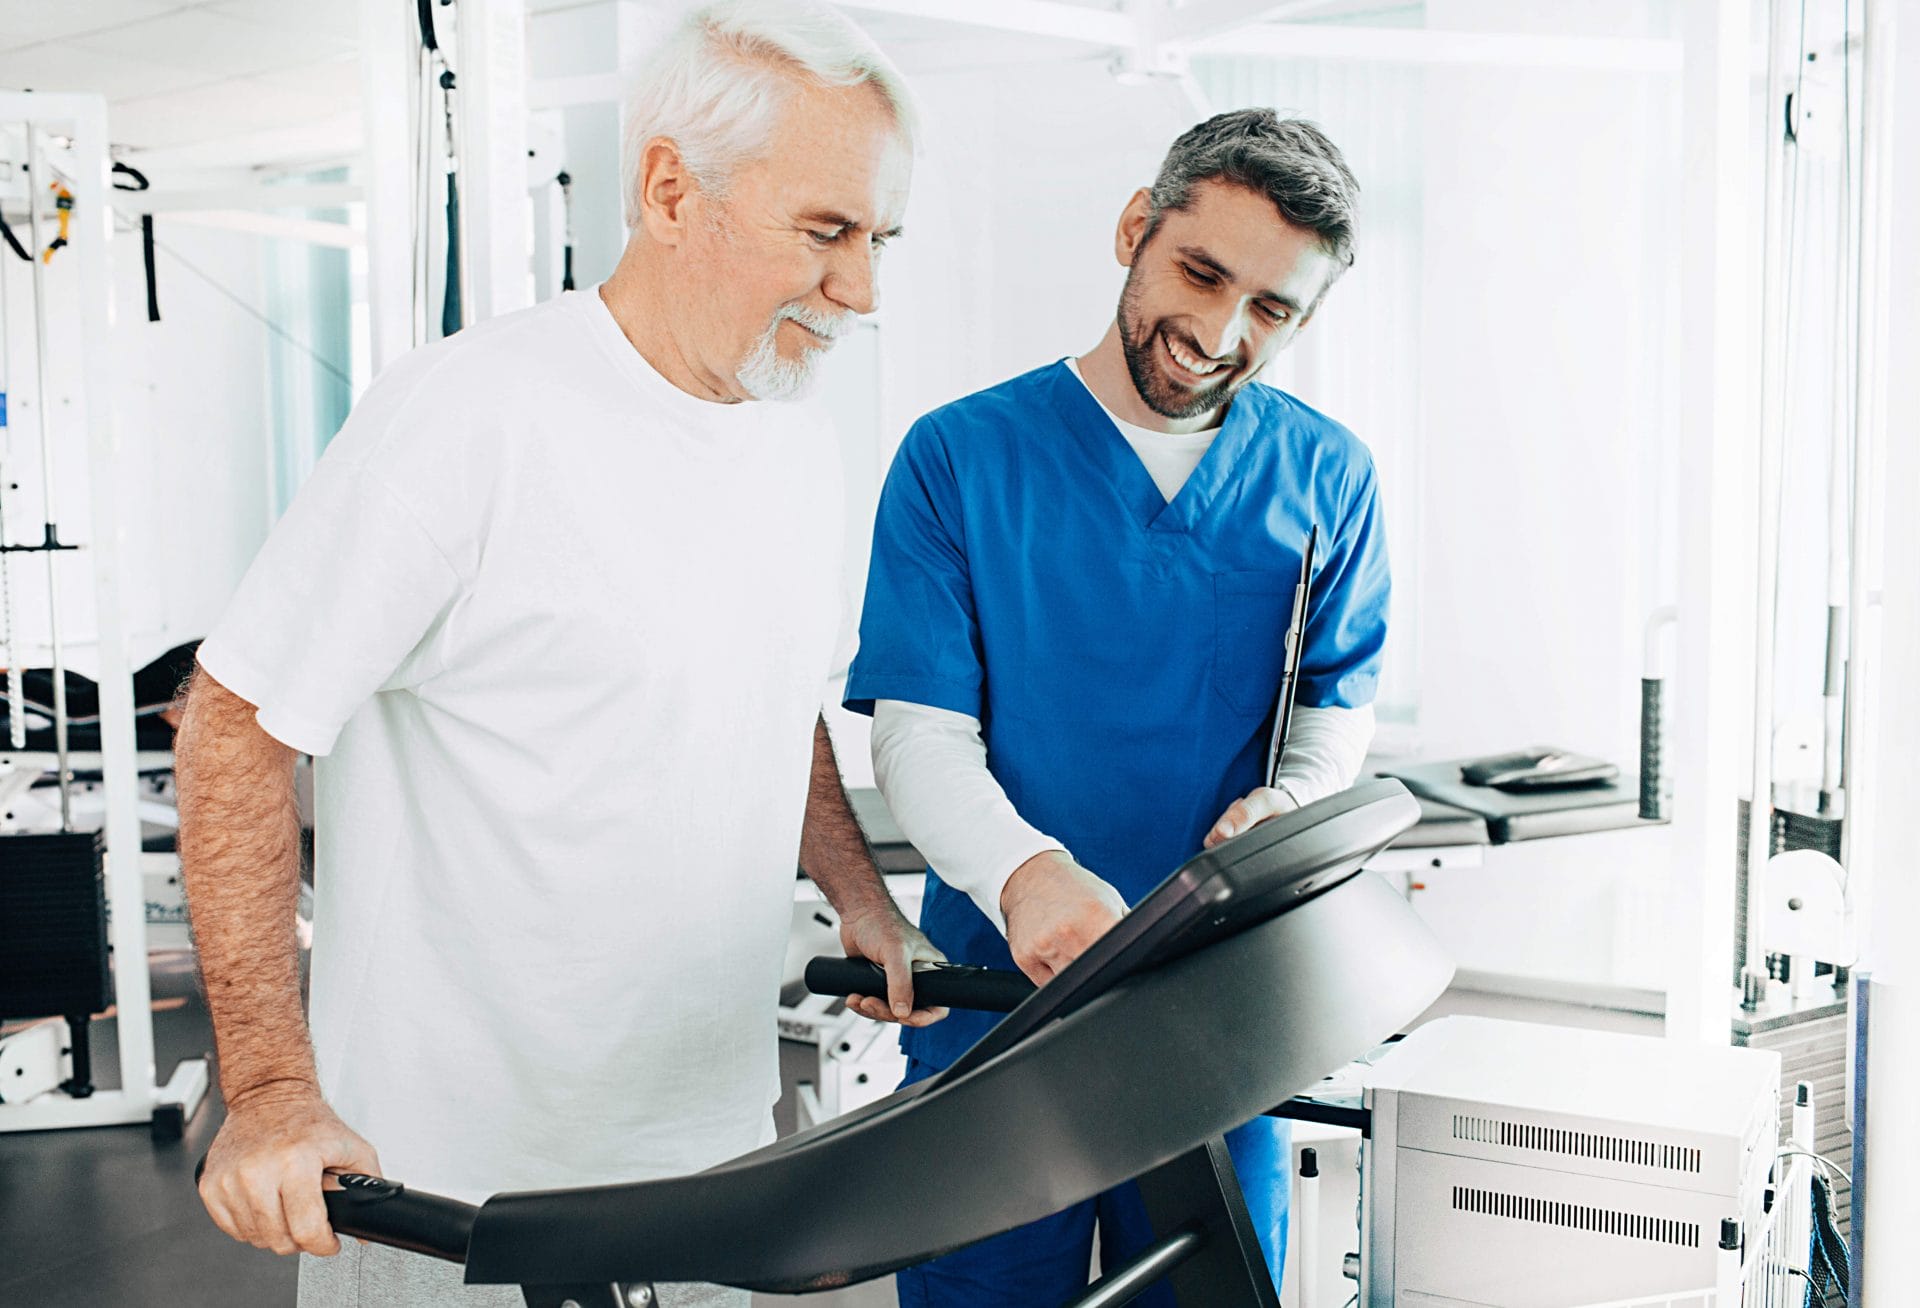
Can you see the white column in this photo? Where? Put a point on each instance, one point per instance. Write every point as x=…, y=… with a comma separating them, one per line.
x=1708, y=710
x=106, y=546
x=491, y=104
x=389, y=60
x=1892, y=1201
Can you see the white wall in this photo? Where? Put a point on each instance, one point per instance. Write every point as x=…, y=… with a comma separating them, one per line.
x=1548, y=414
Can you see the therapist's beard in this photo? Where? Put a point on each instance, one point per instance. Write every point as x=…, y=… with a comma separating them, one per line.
x=766, y=375
x=1140, y=342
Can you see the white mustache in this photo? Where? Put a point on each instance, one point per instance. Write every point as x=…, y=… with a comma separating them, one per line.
x=830, y=325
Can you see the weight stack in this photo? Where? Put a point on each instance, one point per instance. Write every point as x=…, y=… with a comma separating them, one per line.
x=53, y=926
x=1811, y=1040
x=1789, y=830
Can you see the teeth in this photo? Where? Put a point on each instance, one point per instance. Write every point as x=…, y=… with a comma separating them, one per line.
x=1188, y=361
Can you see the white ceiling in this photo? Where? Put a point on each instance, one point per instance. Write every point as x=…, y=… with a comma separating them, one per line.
x=265, y=83
x=206, y=83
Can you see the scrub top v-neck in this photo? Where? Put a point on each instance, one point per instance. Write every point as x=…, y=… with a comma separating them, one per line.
x=1122, y=652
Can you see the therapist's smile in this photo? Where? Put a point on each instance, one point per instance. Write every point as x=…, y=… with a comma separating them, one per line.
x=1189, y=365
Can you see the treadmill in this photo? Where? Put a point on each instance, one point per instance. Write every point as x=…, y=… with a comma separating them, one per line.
x=1254, y=970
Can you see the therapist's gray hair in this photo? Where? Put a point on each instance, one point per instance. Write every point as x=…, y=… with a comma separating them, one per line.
x=1288, y=160
x=716, y=86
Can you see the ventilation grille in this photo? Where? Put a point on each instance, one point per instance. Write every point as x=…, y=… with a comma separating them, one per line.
x=1579, y=1217
x=1578, y=1144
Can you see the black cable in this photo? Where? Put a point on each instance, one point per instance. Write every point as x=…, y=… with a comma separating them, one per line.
x=427, y=36
x=565, y=179
x=146, y=253
x=13, y=242
x=450, y=307
x=261, y=318
x=1829, y=1264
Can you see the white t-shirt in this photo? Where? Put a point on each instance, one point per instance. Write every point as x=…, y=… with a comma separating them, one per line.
x=1169, y=457
x=561, y=631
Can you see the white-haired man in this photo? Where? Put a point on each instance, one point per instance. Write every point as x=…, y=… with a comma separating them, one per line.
x=558, y=609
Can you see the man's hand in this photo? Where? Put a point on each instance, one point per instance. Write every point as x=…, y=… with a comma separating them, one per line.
x=263, y=1178
x=1054, y=909
x=1245, y=814
x=881, y=935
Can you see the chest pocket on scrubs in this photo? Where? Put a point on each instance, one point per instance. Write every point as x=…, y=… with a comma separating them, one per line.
x=1250, y=615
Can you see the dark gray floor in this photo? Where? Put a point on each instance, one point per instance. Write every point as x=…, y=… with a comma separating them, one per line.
x=106, y=1216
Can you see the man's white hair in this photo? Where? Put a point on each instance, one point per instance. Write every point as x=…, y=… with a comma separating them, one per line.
x=715, y=88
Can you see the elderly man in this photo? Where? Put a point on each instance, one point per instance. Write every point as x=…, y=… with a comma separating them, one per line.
x=556, y=613
x=1075, y=621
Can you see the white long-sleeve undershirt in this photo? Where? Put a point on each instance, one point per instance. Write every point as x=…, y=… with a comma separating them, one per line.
x=931, y=767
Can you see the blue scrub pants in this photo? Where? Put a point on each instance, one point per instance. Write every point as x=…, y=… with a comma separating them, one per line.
x=1044, y=1264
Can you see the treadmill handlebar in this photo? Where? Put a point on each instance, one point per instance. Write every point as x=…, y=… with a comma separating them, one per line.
x=944, y=985
x=386, y=1212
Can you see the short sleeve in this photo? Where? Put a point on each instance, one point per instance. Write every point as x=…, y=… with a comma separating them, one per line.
x=333, y=609
x=919, y=635
x=1347, y=617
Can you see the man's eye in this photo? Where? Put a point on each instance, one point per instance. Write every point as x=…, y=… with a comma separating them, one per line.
x=824, y=238
x=1197, y=277
x=1273, y=314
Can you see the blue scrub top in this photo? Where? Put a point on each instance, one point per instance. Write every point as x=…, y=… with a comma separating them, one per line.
x=1122, y=653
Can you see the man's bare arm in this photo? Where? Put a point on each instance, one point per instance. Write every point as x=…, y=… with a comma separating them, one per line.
x=240, y=857
x=834, y=853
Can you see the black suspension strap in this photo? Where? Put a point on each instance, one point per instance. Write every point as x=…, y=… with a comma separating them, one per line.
x=138, y=182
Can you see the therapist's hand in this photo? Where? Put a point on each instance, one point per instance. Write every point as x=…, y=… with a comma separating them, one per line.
x=1250, y=812
x=1054, y=909
x=882, y=935
x=263, y=1178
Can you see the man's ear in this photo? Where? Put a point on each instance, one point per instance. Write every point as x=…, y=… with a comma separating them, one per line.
x=1133, y=228
x=666, y=190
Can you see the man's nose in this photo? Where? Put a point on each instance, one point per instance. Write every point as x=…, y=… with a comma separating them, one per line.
x=1221, y=331
x=853, y=281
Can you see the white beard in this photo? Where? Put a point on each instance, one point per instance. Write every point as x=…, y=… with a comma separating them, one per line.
x=765, y=375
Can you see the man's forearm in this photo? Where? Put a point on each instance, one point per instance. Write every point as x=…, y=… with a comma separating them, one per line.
x=833, y=849
x=240, y=858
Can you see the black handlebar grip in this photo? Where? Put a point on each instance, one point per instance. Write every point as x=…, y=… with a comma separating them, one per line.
x=945, y=985
x=386, y=1212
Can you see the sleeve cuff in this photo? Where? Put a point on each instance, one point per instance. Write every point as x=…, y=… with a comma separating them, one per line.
x=954, y=696
x=986, y=892
x=238, y=676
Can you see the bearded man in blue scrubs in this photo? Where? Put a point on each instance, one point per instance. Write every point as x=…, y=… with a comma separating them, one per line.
x=1075, y=626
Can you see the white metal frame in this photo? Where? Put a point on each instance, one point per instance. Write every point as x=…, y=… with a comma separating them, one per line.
x=84, y=118
x=1708, y=710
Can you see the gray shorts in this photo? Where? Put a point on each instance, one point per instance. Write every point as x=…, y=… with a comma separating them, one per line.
x=375, y=1276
